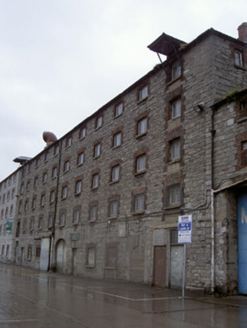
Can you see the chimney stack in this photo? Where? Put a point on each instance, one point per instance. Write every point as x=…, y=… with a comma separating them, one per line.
x=242, y=32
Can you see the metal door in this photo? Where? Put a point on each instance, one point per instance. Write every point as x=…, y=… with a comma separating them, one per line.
x=60, y=256
x=176, y=276
x=44, y=255
x=160, y=266
x=242, y=244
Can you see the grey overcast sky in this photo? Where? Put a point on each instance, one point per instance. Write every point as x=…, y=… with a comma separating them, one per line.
x=61, y=60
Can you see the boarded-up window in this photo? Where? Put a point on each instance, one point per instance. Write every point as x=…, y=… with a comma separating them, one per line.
x=111, y=259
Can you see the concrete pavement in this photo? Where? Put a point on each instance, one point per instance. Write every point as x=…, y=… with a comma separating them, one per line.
x=30, y=298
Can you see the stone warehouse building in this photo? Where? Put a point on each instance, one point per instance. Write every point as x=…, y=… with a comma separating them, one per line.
x=8, y=200
x=103, y=201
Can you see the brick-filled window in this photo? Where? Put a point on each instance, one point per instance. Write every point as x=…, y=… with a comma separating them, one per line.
x=111, y=256
x=143, y=93
x=91, y=256
x=118, y=109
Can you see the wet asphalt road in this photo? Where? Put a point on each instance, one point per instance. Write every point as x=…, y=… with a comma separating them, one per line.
x=34, y=299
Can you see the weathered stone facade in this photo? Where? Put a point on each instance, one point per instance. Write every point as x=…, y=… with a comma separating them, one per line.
x=165, y=147
x=8, y=200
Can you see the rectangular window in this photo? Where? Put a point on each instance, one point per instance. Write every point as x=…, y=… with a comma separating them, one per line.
x=95, y=180
x=36, y=182
x=52, y=196
x=42, y=200
x=142, y=126
x=32, y=224
x=113, y=208
x=62, y=219
x=176, y=70
x=141, y=163
x=239, y=58
x=111, y=257
x=28, y=186
x=40, y=224
x=76, y=216
x=66, y=166
x=45, y=176
x=50, y=221
x=56, y=149
x=38, y=252
x=115, y=173
x=143, y=93
x=175, y=149
x=174, y=194
x=82, y=133
x=68, y=142
x=46, y=156
x=176, y=108
x=139, y=202
x=64, y=192
x=96, y=151
x=117, y=139
x=93, y=213
x=80, y=158
x=119, y=109
x=54, y=172
x=91, y=256
x=78, y=187
x=34, y=203
x=29, y=253
x=98, y=122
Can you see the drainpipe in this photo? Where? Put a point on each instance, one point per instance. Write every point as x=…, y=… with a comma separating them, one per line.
x=51, y=265
x=212, y=205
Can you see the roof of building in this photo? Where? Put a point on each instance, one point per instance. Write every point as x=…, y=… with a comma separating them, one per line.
x=166, y=44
